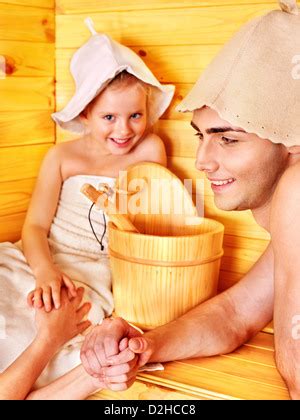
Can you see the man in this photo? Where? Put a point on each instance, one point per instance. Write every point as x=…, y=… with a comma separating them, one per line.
x=246, y=112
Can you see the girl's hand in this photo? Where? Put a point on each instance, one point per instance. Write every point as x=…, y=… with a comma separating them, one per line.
x=48, y=289
x=63, y=324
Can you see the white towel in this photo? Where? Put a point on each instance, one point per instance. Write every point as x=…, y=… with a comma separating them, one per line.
x=78, y=254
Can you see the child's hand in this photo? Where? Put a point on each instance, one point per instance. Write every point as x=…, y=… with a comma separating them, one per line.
x=61, y=325
x=48, y=289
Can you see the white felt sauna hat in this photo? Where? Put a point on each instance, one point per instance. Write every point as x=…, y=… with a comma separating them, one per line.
x=98, y=62
x=254, y=81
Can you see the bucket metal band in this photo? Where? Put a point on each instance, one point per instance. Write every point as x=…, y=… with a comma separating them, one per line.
x=165, y=263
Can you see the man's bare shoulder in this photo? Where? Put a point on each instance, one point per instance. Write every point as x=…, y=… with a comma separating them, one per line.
x=288, y=186
x=285, y=208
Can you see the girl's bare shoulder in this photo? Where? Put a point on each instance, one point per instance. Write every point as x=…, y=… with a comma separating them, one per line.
x=151, y=148
x=73, y=147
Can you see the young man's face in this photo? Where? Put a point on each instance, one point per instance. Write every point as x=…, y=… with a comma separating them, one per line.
x=243, y=168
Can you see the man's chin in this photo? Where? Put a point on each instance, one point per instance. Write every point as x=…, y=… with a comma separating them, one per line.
x=226, y=205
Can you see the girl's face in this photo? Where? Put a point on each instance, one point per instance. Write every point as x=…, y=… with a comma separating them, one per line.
x=118, y=118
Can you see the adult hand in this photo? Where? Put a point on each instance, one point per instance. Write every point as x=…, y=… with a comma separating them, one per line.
x=61, y=325
x=105, y=341
x=49, y=283
x=142, y=345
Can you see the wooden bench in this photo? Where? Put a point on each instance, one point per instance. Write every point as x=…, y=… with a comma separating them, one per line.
x=249, y=373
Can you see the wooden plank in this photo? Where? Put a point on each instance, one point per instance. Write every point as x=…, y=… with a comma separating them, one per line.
x=21, y=23
x=45, y=4
x=228, y=279
x=257, y=245
x=17, y=163
x=92, y=6
x=148, y=27
x=179, y=138
x=142, y=391
x=15, y=196
x=191, y=378
x=262, y=373
x=26, y=94
x=262, y=341
x=169, y=63
x=255, y=356
x=233, y=261
x=31, y=127
x=269, y=329
x=27, y=59
x=11, y=227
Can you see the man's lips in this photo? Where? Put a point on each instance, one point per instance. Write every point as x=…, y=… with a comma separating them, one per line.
x=218, y=185
x=218, y=182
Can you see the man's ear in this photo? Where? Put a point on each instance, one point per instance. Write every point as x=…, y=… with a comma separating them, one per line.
x=294, y=150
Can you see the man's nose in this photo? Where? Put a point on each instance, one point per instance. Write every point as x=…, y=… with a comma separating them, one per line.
x=206, y=158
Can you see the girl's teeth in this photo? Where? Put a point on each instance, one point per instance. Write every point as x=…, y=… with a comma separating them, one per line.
x=227, y=181
x=120, y=141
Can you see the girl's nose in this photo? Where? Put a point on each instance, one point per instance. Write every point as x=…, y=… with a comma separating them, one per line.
x=124, y=127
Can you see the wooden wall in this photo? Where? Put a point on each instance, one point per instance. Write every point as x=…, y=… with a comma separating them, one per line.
x=177, y=40
x=26, y=102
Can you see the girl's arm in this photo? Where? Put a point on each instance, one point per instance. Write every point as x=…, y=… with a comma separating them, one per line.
x=75, y=385
x=17, y=381
x=41, y=212
x=54, y=329
x=35, y=231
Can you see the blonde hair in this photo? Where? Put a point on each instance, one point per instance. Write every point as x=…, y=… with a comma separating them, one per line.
x=123, y=79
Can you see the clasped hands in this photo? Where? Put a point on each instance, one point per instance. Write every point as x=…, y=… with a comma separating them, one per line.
x=113, y=352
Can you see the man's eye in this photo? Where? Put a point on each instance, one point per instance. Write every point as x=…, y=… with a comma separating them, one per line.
x=228, y=141
x=108, y=117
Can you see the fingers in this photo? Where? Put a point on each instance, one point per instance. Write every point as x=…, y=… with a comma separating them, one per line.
x=37, y=298
x=124, y=357
x=121, y=386
x=47, y=299
x=138, y=344
x=123, y=344
x=126, y=368
x=69, y=285
x=111, y=346
x=30, y=299
x=89, y=357
x=79, y=295
x=83, y=311
x=83, y=326
x=56, y=296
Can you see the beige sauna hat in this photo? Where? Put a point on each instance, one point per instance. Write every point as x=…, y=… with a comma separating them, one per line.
x=98, y=62
x=254, y=82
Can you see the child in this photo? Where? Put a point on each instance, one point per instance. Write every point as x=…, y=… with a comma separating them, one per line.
x=116, y=102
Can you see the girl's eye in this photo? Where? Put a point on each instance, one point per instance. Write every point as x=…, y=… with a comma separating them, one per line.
x=109, y=117
x=136, y=116
x=228, y=141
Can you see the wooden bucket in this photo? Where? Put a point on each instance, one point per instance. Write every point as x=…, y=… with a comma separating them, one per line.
x=158, y=278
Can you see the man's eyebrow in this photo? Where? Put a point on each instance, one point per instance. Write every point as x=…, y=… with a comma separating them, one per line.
x=218, y=129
